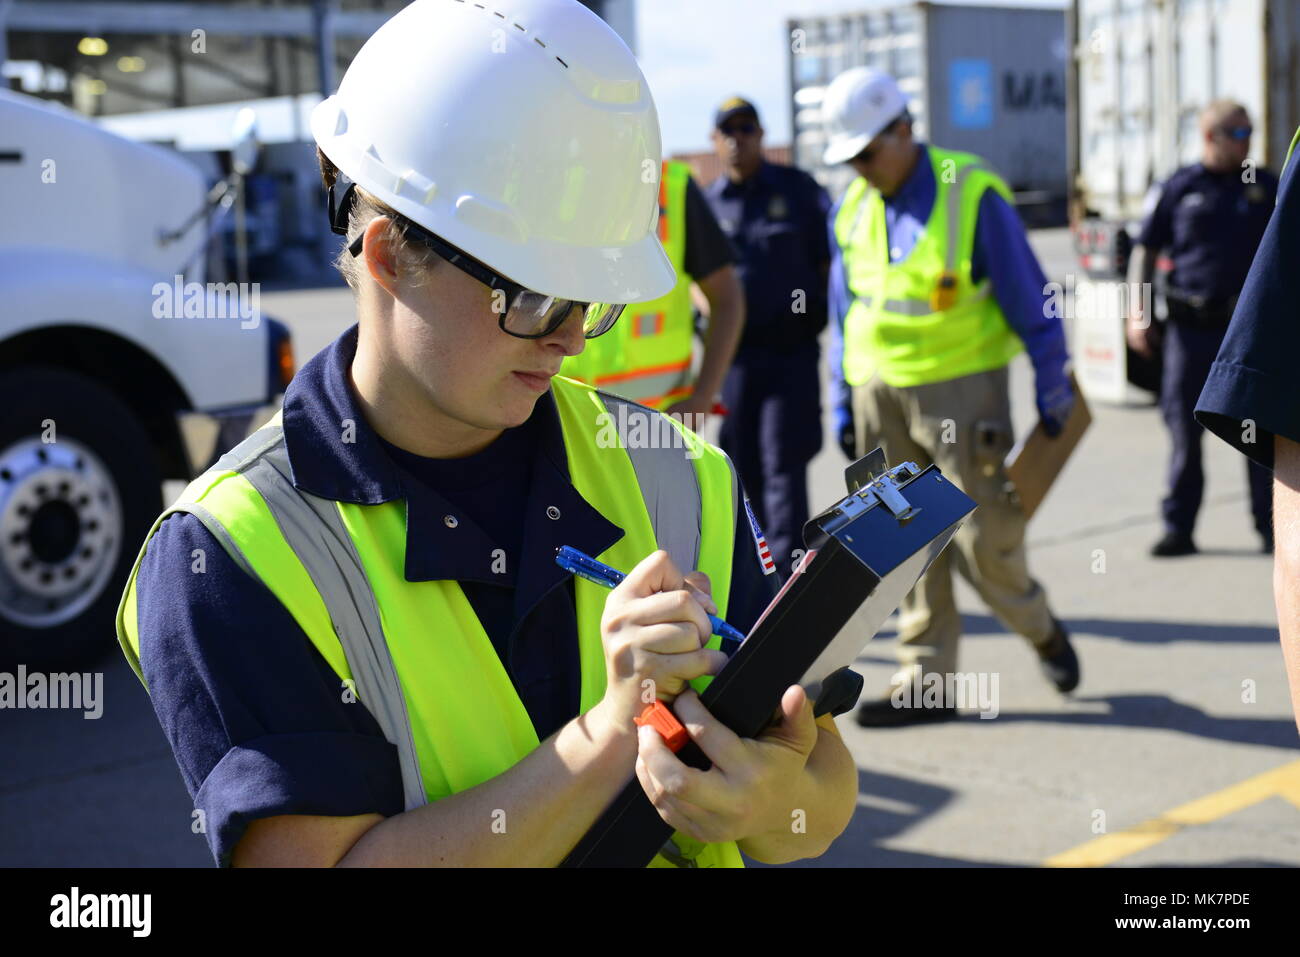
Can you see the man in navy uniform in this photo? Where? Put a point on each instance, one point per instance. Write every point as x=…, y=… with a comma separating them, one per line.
x=1210, y=217
x=775, y=217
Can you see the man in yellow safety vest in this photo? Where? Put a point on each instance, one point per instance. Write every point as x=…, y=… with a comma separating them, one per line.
x=934, y=291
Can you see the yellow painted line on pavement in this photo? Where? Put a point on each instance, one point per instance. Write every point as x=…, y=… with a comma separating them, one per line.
x=1283, y=782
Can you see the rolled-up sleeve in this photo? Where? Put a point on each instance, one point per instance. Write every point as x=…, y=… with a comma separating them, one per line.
x=259, y=723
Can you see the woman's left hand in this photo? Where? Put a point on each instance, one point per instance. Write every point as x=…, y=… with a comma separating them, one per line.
x=748, y=789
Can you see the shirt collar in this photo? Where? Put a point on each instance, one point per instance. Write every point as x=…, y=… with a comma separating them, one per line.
x=554, y=514
x=333, y=452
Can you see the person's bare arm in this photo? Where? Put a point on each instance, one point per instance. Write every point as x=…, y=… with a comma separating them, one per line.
x=532, y=815
x=1141, y=269
x=1286, y=560
x=724, y=305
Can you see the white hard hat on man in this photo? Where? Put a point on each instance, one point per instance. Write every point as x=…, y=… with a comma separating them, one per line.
x=857, y=106
x=528, y=140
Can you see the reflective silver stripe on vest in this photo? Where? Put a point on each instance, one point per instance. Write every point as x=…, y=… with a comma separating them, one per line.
x=647, y=323
x=922, y=307
x=663, y=471
x=954, y=212
x=219, y=532
x=313, y=528
x=650, y=386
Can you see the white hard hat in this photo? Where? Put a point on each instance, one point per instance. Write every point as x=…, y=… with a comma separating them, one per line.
x=858, y=104
x=527, y=139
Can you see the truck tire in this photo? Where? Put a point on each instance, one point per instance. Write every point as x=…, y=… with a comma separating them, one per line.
x=80, y=486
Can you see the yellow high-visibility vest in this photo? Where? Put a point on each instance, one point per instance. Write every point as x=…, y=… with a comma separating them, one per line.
x=646, y=357
x=449, y=706
x=922, y=319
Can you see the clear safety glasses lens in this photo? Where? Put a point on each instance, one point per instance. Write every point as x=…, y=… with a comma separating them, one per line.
x=533, y=315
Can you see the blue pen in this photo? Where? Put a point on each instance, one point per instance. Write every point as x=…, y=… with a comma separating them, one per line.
x=584, y=566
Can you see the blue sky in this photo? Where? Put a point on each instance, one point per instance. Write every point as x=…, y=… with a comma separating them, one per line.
x=695, y=53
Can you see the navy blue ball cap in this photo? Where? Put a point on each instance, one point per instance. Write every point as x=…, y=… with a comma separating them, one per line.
x=732, y=107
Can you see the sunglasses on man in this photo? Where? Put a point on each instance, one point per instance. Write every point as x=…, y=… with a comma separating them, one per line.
x=1238, y=133
x=527, y=314
x=739, y=129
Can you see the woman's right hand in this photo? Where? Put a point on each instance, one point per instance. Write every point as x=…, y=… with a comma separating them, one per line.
x=654, y=630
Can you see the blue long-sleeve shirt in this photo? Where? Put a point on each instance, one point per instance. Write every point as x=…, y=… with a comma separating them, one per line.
x=1001, y=253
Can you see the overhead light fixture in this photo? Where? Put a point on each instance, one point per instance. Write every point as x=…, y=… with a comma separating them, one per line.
x=130, y=64
x=92, y=46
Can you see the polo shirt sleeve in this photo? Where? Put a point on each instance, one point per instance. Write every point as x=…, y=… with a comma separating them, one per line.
x=1250, y=394
x=707, y=246
x=1158, y=230
x=255, y=716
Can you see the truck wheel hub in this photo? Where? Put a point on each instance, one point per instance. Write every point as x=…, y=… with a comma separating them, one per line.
x=60, y=530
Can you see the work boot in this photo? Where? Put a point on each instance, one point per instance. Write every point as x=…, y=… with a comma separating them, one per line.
x=1058, y=661
x=1174, y=543
x=886, y=712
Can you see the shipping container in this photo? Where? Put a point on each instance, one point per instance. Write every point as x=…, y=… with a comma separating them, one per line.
x=987, y=79
x=1142, y=71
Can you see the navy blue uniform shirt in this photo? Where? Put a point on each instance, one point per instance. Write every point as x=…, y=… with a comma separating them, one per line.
x=1251, y=393
x=776, y=220
x=257, y=718
x=1210, y=223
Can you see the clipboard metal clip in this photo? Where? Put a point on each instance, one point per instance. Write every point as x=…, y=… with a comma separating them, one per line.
x=871, y=480
x=886, y=491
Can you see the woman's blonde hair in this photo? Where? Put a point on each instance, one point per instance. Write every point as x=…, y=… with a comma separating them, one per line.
x=413, y=257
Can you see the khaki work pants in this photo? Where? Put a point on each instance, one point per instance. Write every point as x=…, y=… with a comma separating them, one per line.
x=963, y=426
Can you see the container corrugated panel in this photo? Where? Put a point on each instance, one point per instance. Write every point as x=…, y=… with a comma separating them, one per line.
x=1145, y=71
x=988, y=79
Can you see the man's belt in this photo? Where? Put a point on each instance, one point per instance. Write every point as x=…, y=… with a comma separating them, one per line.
x=1203, y=312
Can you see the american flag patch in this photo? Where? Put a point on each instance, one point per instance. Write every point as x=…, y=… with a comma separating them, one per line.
x=760, y=542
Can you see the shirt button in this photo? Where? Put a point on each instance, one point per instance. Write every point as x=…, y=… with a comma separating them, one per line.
x=552, y=512
x=450, y=521
x=895, y=253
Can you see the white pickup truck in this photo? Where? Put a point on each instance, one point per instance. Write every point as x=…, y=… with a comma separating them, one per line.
x=110, y=340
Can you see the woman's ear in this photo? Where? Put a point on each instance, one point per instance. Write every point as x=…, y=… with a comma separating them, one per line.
x=379, y=253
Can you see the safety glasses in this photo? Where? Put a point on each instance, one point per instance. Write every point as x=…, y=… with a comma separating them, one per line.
x=1238, y=133
x=522, y=313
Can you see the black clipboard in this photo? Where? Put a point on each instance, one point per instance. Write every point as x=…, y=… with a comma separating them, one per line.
x=864, y=554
